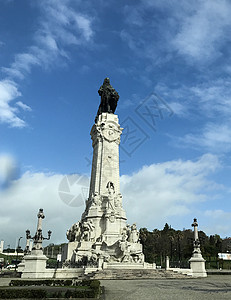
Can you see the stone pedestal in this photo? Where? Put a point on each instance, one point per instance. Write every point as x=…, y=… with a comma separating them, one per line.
x=167, y=263
x=33, y=265
x=197, y=265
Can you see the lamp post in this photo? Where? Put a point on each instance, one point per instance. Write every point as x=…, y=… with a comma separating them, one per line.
x=17, y=252
x=196, y=242
x=8, y=251
x=38, y=237
x=197, y=262
x=27, y=249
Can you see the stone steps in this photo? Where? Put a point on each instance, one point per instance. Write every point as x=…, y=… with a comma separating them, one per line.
x=134, y=274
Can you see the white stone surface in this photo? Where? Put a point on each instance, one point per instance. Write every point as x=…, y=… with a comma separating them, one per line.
x=197, y=265
x=103, y=235
x=33, y=265
x=167, y=263
x=1, y=246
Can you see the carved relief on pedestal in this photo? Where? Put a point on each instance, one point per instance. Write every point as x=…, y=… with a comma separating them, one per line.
x=118, y=201
x=88, y=231
x=84, y=231
x=96, y=199
x=111, y=132
x=74, y=233
x=106, y=129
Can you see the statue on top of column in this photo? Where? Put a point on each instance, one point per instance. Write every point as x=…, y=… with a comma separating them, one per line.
x=109, y=98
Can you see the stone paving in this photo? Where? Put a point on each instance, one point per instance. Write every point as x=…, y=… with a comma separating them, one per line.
x=213, y=287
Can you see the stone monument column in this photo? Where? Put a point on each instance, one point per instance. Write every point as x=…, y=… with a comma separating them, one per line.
x=34, y=262
x=105, y=185
x=105, y=136
x=104, y=206
x=197, y=262
x=38, y=238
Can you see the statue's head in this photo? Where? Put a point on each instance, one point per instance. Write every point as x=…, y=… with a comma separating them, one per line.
x=106, y=81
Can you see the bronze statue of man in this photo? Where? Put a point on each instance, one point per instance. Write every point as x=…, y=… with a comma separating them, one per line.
x=109, y=98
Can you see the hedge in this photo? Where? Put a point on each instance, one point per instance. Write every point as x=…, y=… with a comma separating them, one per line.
x=91, y=283
x=41, y=282
x=40, y=293
x=92, y=289
x=21, y=293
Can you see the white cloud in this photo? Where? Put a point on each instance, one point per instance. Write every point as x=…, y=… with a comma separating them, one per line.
x=157, y=192
x=60, y=26
x=178, y=108
x=203, y=32
x=217, y=221
x=197, y=31
x=23, y=106
x=208, y=105
x=215, y=137
x=85, y=25
x=213, y=97
x=210, y=99
x=8, y=92
x=151, y=197
x=31, y=192
x=217, y=213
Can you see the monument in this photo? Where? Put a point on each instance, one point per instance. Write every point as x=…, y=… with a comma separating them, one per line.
x=102, y=237
x=102, y=243
x=197, y=262
x=34, y=261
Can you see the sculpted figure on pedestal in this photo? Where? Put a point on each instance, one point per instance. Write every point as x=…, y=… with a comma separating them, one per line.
x=124, y=248
x=74, y=233
x=110, y=187
x=109, y=98
x=134, y=235
x=87, y=231
x=96, y=199
x=111, y=197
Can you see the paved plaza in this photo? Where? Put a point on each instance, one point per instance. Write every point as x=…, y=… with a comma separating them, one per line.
x=214, y=287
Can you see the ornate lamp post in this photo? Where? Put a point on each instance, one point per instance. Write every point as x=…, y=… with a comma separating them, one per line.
x=34, y=263
x=196, y=241
x=197, y=263
x=8, y=251
x=27, y=248
x=38, y=237
x=17, y=252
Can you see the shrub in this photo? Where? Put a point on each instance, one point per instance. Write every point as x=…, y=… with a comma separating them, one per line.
x=22, y=293
x=41, y=282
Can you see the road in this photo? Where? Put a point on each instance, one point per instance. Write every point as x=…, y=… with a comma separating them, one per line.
x=214, y=287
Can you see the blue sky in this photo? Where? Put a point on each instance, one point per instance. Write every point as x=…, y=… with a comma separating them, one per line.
x=171, y=57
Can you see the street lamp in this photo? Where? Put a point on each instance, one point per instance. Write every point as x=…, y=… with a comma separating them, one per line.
x=8, y=251
x=17, y=252
x=38, y=237
x=27, y=249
